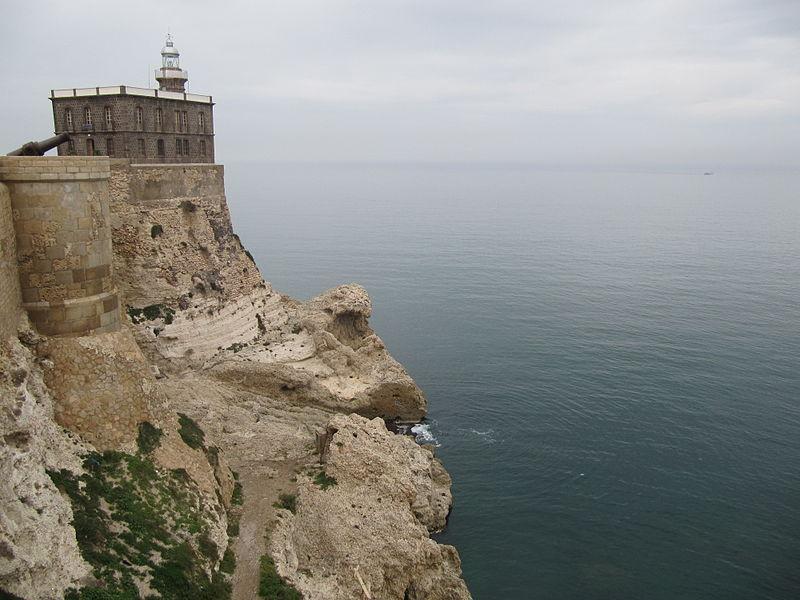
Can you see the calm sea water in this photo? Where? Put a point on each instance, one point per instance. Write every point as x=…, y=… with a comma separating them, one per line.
x=612, y=360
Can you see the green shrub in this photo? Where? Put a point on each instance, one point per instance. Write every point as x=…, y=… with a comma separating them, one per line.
x=272, y=586
x=207, y=547
x=150, y=313
x=228, y=564
x=323, y=480
x=237, y=498
x=212, y=453
x=190, y=432
x=149, y=437
x=233, y=525
x=287, y=501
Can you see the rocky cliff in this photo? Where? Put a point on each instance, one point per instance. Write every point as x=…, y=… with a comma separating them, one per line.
x=212, y=367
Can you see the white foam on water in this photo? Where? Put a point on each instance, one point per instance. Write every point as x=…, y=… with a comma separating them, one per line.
x=487, y=436
x=423, y=435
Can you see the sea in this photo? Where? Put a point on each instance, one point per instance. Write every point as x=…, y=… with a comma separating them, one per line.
x=611, y=359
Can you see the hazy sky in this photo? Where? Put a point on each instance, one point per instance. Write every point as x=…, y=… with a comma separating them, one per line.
x=703, y=83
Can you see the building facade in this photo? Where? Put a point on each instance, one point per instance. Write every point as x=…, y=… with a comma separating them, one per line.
x=167, y=125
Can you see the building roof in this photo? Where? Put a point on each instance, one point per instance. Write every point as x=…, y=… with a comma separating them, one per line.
x=116, y=90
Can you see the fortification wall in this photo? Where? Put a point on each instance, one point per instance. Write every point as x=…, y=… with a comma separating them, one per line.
x=63, y=242
x=10, y=299
x=102, y=386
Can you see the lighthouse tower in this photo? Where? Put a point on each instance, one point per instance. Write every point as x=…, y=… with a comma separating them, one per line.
x=170, y=76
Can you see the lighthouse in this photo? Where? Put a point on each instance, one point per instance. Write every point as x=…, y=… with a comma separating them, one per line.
x=170, y=77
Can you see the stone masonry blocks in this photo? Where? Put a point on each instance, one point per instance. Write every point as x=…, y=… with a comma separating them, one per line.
x=10, y=301
x=61, y=217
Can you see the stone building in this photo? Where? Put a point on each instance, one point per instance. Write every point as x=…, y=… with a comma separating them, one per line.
x=167, y=125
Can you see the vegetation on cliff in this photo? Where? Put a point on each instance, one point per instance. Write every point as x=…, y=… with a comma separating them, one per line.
x=142, y=529
x=271, y=585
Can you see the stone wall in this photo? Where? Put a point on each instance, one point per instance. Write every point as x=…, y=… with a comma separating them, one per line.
x=102, y=386
x=63, y=242
x=10, y=299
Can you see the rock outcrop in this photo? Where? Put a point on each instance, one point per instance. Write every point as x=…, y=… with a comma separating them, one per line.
x=39, y=555
x=115, y=445
x=197, y=300
x=45, y=545
x=362, y=523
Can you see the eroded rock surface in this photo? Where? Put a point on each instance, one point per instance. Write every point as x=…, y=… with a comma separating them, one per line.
x=368, y=515
x=197, y=301
x=39, y=555
x=218, y=368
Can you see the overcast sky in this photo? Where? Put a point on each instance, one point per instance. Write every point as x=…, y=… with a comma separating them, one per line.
x=701, y=83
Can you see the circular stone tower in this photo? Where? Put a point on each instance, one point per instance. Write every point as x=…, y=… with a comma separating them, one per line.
x=61, y=214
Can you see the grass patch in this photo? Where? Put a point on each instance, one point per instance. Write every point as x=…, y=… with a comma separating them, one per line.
x=271, y=585
x=287, y=501
x=151, y=313
x=323, y=480
x=190, y=432
x=134, y=522
x=149, y=437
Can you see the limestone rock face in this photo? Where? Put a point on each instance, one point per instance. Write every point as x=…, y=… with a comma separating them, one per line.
x=39, y=556
x=101, y=391
x=197, y=300
x=327, y=355
x=372, y=522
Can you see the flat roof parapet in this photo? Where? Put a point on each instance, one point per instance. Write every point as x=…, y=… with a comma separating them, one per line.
x=116, y=90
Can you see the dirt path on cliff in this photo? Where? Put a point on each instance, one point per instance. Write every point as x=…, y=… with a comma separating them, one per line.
x=261, y=486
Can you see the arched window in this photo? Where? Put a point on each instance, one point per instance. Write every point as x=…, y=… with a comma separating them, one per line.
x=178, y=148
x=87, y=116
x=110, y=146
x=186, y=147
x=202, y=147
x=159, y=119
x=68, y=119
x=109, y=122
x=160, y=147
x=201, y=122
x=139, y=118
